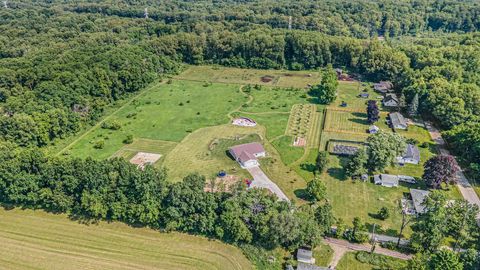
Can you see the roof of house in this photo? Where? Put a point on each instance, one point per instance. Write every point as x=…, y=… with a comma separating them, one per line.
x=307, y=266
x=412, y=152
x=397, y=119
x=418, y=196
x=304, y=254
x=386, y=179
x=246, y=152
x=383, y=86
x=391, y=97
x=373, y=128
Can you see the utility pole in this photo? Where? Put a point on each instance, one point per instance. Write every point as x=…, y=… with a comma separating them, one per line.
x=290, y=23
x=373, y=240
x=5, y=4
x=146, y=13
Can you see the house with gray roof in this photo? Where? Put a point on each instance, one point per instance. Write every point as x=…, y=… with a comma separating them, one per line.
x=391, y=100
x=397, y=121
x=383, y=87
x=410, y=155
x=418, y=197
x=386, y=180
x=307, y=266
x=305, y=255
x=247, y=154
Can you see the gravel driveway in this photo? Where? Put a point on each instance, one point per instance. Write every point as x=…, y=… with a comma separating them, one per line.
x=261, y=180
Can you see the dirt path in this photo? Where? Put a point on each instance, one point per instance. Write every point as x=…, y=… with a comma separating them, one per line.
x=463, y=185
x=341, y=246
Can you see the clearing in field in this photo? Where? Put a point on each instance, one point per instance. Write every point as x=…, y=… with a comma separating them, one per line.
x=161, y=148
x=281, y=78
x=38, y=240
x=142, y=159
x=167, y=112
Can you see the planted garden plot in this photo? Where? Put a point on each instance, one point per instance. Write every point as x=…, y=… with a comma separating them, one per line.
x=300, y=123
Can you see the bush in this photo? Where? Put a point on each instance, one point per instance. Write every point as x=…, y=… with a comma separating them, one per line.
x=424, y=145
x=128, y=139
x=99, y=144
x=113, y=125
x=412, y=141
x=384, y=213
x=381, y=261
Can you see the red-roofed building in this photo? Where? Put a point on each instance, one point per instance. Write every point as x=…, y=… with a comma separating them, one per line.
x=247, y=154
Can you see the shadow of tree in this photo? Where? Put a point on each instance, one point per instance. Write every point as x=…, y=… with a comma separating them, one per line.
x=302, y=194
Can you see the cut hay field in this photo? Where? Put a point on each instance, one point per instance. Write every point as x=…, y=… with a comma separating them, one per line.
x=167, y=112
x=280, y=78
x=38, y=240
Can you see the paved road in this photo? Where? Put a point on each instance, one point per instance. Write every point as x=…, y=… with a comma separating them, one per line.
x=463, y=185
x=388, y=238
x=261, y=180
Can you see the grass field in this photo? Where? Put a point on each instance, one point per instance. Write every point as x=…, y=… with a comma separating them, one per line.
x=275, y=123
x=281, y=78
x=269, y=99
x=350, y=262
x=146, y=145
x=288, y=153
x=168, y=112
x=38, y=240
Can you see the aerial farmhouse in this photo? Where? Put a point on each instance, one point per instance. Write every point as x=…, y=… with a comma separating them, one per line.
x=386, y=180
x=383, y=87
x=411, y=155
x=247, y=154
x=391, y=100
x=397, y=121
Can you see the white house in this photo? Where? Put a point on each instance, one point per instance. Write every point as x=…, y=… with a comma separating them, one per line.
x=418, y=197
x=391, y=100
x=247, y=154
x=411, y=155
x=373, y=129
x=386, y=180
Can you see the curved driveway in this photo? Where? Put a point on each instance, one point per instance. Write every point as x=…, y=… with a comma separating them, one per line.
x=261, y=180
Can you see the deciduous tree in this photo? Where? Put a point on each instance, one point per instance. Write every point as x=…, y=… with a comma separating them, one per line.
x=440, y=169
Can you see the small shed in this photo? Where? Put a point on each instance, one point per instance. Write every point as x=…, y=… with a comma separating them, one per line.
x=386, y=180
x=373, y=129
x=305, y=255
x=364, y=95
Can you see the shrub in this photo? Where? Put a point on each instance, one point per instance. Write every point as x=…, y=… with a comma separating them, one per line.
x=99, y=144
x=412, y=141
x=384, y=213
x=424, y=145
x=180, y=104
x=128, y=139
x=113, y=125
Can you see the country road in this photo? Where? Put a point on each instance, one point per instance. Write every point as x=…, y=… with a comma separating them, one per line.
x=463, y=185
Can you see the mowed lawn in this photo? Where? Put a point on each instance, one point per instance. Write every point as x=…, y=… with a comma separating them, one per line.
x=168, y=112
x=281, y=78
x=38, y=240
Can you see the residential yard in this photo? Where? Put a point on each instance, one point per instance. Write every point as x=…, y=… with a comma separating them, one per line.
x=350, y=261
x=267, y=99
x=38, y=240
x=275, y=123
x=288, y=153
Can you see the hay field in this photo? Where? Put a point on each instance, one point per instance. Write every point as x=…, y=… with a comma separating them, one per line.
x=38, y=240
x=280, y=78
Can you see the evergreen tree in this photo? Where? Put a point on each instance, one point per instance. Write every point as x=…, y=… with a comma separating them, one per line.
x=373, y=114
x=413, y=106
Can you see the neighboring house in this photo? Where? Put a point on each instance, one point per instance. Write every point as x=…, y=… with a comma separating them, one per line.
x=305, y=255
x=247, y=154
x=391, y=100
x=373, y=129
x=307, y=266
x=386, y=180
x=397, y=121
x=383, y=87
x=411, y=155
x=418, y=197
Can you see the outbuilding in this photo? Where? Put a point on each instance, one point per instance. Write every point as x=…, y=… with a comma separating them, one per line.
x=383, y=87
x=386, y=180
x=411, y=155
x=418, y=197
x=391, y=100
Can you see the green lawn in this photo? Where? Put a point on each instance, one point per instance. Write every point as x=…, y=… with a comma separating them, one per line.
x=323, y=254
x=281, y=78
x=269, y=99
x=275, y=123
x=350, y=261
x=349, y=91
x=38, y=240
x=168, y=112
x=288, y=153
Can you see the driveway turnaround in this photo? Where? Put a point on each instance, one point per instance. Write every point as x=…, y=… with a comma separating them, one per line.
x=261, y=180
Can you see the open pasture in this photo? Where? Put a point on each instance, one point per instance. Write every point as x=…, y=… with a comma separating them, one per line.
x=267, y=99
x=167, y=112
x=281, y=78
x=349, y=92
x=128, y=151
x=341, y=121
x=38, y=240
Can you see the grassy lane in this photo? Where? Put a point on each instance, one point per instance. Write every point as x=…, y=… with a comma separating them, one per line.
x=38, y=240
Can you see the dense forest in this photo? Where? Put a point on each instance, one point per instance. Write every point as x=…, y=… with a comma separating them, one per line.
x=62, y=63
